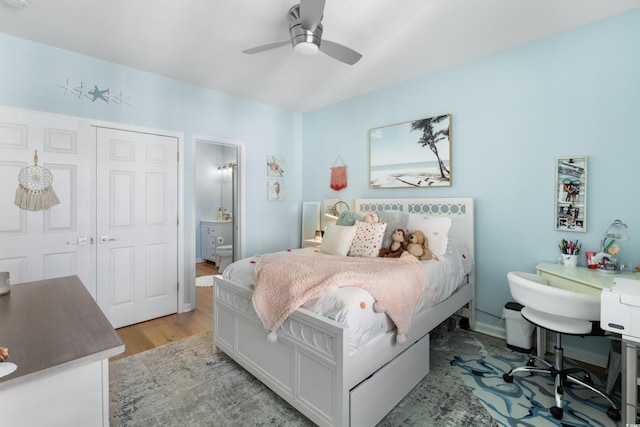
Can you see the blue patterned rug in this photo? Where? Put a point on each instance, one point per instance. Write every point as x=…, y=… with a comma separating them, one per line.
x=527, y=400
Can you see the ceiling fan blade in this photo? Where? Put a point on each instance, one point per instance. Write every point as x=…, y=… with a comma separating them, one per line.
x=311, y=13
x=340, y=52
x=264, y=47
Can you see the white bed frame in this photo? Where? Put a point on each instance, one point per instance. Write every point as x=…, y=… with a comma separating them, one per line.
x=310, y=365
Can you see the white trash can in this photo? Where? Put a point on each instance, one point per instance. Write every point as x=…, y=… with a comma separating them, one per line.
x=519, y=330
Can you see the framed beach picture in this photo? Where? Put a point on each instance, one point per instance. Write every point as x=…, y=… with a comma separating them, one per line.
x=571, y=194
x=411, y=154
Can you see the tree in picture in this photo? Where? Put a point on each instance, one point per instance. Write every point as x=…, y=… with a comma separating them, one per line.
x=430, y=138
x=396, y=160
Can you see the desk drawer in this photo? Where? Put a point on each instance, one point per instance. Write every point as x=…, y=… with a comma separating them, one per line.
x=562, y=283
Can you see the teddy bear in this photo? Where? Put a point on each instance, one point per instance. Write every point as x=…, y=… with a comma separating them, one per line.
x=369, y=217
x=397, y=247
x=419, y=245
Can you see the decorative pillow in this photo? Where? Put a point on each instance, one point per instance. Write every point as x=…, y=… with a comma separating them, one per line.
x=337, y=239
x=394, y=220
x=348, y=218
x=368, y=239
x=436, y=228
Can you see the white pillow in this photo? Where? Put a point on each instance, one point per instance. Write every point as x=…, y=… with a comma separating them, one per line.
x=337, y=239
x=435, y=228
x=368, y=239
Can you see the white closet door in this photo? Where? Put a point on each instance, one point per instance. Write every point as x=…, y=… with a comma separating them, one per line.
x=137, y=230
x=56, y=242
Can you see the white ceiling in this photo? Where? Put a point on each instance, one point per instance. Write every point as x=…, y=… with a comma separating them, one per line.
x=200, y=41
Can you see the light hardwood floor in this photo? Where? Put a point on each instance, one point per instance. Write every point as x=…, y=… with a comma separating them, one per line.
x=154, y=333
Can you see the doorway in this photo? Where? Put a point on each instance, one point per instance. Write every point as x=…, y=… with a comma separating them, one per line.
x=137, y=234
x=115, y=221
x=218, y=199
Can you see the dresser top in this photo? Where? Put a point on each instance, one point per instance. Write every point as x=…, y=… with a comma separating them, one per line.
x=53, y=325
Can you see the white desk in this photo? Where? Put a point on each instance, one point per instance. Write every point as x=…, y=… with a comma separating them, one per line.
x=592, y=282
x=311, y=243
x=629, y=409
x=579, y=279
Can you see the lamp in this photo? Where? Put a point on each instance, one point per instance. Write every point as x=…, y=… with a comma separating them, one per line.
x=225, y=171
x=333, y=212
x=618, y=230
x=306, y=48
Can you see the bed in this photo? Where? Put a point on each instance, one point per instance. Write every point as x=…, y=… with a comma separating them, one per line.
x=312, y=364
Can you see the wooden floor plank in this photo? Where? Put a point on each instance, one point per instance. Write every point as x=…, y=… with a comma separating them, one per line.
x=153, y=333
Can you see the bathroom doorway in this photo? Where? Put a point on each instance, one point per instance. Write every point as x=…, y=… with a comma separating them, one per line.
x=218, y=200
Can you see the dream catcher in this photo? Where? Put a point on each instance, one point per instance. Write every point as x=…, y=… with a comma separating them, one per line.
x=34, y=193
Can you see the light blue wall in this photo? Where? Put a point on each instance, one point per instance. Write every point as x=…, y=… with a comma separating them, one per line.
x=31, y=75
x=573, y=94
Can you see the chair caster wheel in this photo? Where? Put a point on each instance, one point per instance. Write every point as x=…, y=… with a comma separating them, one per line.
x=613, y=413
x=507, y=378
x=556, y=412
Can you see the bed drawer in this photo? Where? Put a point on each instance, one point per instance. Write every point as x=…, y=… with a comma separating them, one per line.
x=372, y=399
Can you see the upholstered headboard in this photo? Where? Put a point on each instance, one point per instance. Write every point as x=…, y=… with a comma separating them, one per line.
x=459, y=209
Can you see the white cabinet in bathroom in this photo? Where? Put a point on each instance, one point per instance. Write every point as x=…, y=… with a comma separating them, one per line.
x=214, y=233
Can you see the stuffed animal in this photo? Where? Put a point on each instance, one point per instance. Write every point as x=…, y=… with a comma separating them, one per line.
x=348, y=218
x=419, y=245
x=398, y=245
x=370, y=217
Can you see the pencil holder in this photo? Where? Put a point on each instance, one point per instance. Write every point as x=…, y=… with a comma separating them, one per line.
x=569, y=260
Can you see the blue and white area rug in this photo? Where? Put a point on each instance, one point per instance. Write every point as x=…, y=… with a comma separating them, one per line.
x=526, y=401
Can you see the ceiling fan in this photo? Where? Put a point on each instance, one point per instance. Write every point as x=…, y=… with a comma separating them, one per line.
x=305, y=28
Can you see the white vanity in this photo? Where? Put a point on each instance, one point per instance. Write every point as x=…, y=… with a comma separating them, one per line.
x=211, y=232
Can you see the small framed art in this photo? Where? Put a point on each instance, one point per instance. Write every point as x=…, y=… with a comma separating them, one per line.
x=275, y=189
x=571, y=194
x=275, y=166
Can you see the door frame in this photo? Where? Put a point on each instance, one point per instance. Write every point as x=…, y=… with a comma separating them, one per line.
x=184, y=276
x=239, y=235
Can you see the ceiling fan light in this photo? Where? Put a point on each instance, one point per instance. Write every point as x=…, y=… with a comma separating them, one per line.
x=306, y=48
x=17, y=3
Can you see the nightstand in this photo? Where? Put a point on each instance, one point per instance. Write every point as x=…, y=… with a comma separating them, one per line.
x=311, y=243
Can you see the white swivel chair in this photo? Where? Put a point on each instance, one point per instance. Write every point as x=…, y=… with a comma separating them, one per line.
x=563, y=312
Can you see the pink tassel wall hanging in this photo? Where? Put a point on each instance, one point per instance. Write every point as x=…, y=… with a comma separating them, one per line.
x=338, y=175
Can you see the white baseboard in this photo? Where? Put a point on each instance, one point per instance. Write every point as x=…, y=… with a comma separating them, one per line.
x=570, y=352
x=492, y=331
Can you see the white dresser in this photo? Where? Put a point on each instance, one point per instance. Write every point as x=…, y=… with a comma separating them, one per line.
x=61, y=342
x=211, y=232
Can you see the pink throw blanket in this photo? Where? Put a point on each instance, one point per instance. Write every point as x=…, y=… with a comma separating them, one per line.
x=286, y=280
